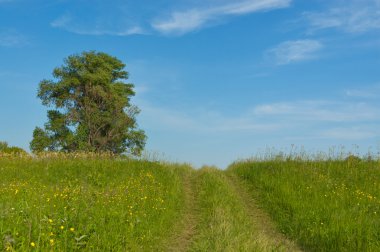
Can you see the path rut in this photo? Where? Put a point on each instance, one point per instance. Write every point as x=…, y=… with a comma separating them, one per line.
x=182, y=239
x=264, y=232
x=265, y=229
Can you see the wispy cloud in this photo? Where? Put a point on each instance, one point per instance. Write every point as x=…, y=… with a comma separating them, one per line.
x=320, y=111
x=181, y=22
x=294, y=51
x=122, y=18
x=11, y=38
x=351, y=133
x=365, y=92
x=68, y=23
x=202, y=121
x=314, y=118
x=353, y=16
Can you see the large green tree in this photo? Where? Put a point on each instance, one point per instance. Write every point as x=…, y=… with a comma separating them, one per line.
x=92, y=109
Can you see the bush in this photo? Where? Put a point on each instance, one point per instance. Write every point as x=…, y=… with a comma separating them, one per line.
x=353, y=159
x=6, y=149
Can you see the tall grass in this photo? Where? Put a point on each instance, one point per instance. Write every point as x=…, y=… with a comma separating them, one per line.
x=93, y=203
x=326, y=205
x=223, y=222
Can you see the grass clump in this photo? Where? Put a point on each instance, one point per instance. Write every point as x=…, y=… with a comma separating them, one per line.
x=329, y=205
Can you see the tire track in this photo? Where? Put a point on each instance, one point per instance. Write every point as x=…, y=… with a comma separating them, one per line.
x=267, y=234
x=182, y=239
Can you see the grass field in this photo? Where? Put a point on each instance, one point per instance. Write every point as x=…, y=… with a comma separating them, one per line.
x=104, y=204
x=87, y=203
x=323, y=205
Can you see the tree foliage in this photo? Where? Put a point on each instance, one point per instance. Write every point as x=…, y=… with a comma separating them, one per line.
x=92, y=109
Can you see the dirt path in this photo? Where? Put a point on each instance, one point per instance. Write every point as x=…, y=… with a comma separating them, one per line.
x=181, y=240
x=262, y=230
x=267, y=233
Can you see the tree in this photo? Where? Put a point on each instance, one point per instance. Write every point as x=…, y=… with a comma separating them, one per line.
x=92, y=108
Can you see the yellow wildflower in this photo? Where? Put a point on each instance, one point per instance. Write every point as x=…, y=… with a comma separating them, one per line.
x=32, y=244
x=72, y=229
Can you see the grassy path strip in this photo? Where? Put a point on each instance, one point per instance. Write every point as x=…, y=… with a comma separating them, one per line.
x=265, y=232
x=185, y=229
x=224, y=223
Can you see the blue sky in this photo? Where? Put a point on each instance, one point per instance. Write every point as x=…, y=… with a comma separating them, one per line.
x=216, y=80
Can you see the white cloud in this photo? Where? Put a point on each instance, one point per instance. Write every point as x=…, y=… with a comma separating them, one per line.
x=68, y=23
x=353, y=16
x=181, y=22
x=320, y=111
x=11, y=38
x=321, y=119
x=62, y=21
x=366, y=92
x=122, y=18
x=294, y=51
x=351, y=133
x=202, y=120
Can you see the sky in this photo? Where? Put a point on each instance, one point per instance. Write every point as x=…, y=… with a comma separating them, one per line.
x=216, y=80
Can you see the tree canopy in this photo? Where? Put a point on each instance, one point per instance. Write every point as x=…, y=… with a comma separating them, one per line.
x=92, y=109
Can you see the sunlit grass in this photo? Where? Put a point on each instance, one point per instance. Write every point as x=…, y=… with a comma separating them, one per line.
x=224, y=223
x=86, y=203
x=324, y=205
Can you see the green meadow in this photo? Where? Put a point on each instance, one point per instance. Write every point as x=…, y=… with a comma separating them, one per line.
x=90, y=203
x=322, y=205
